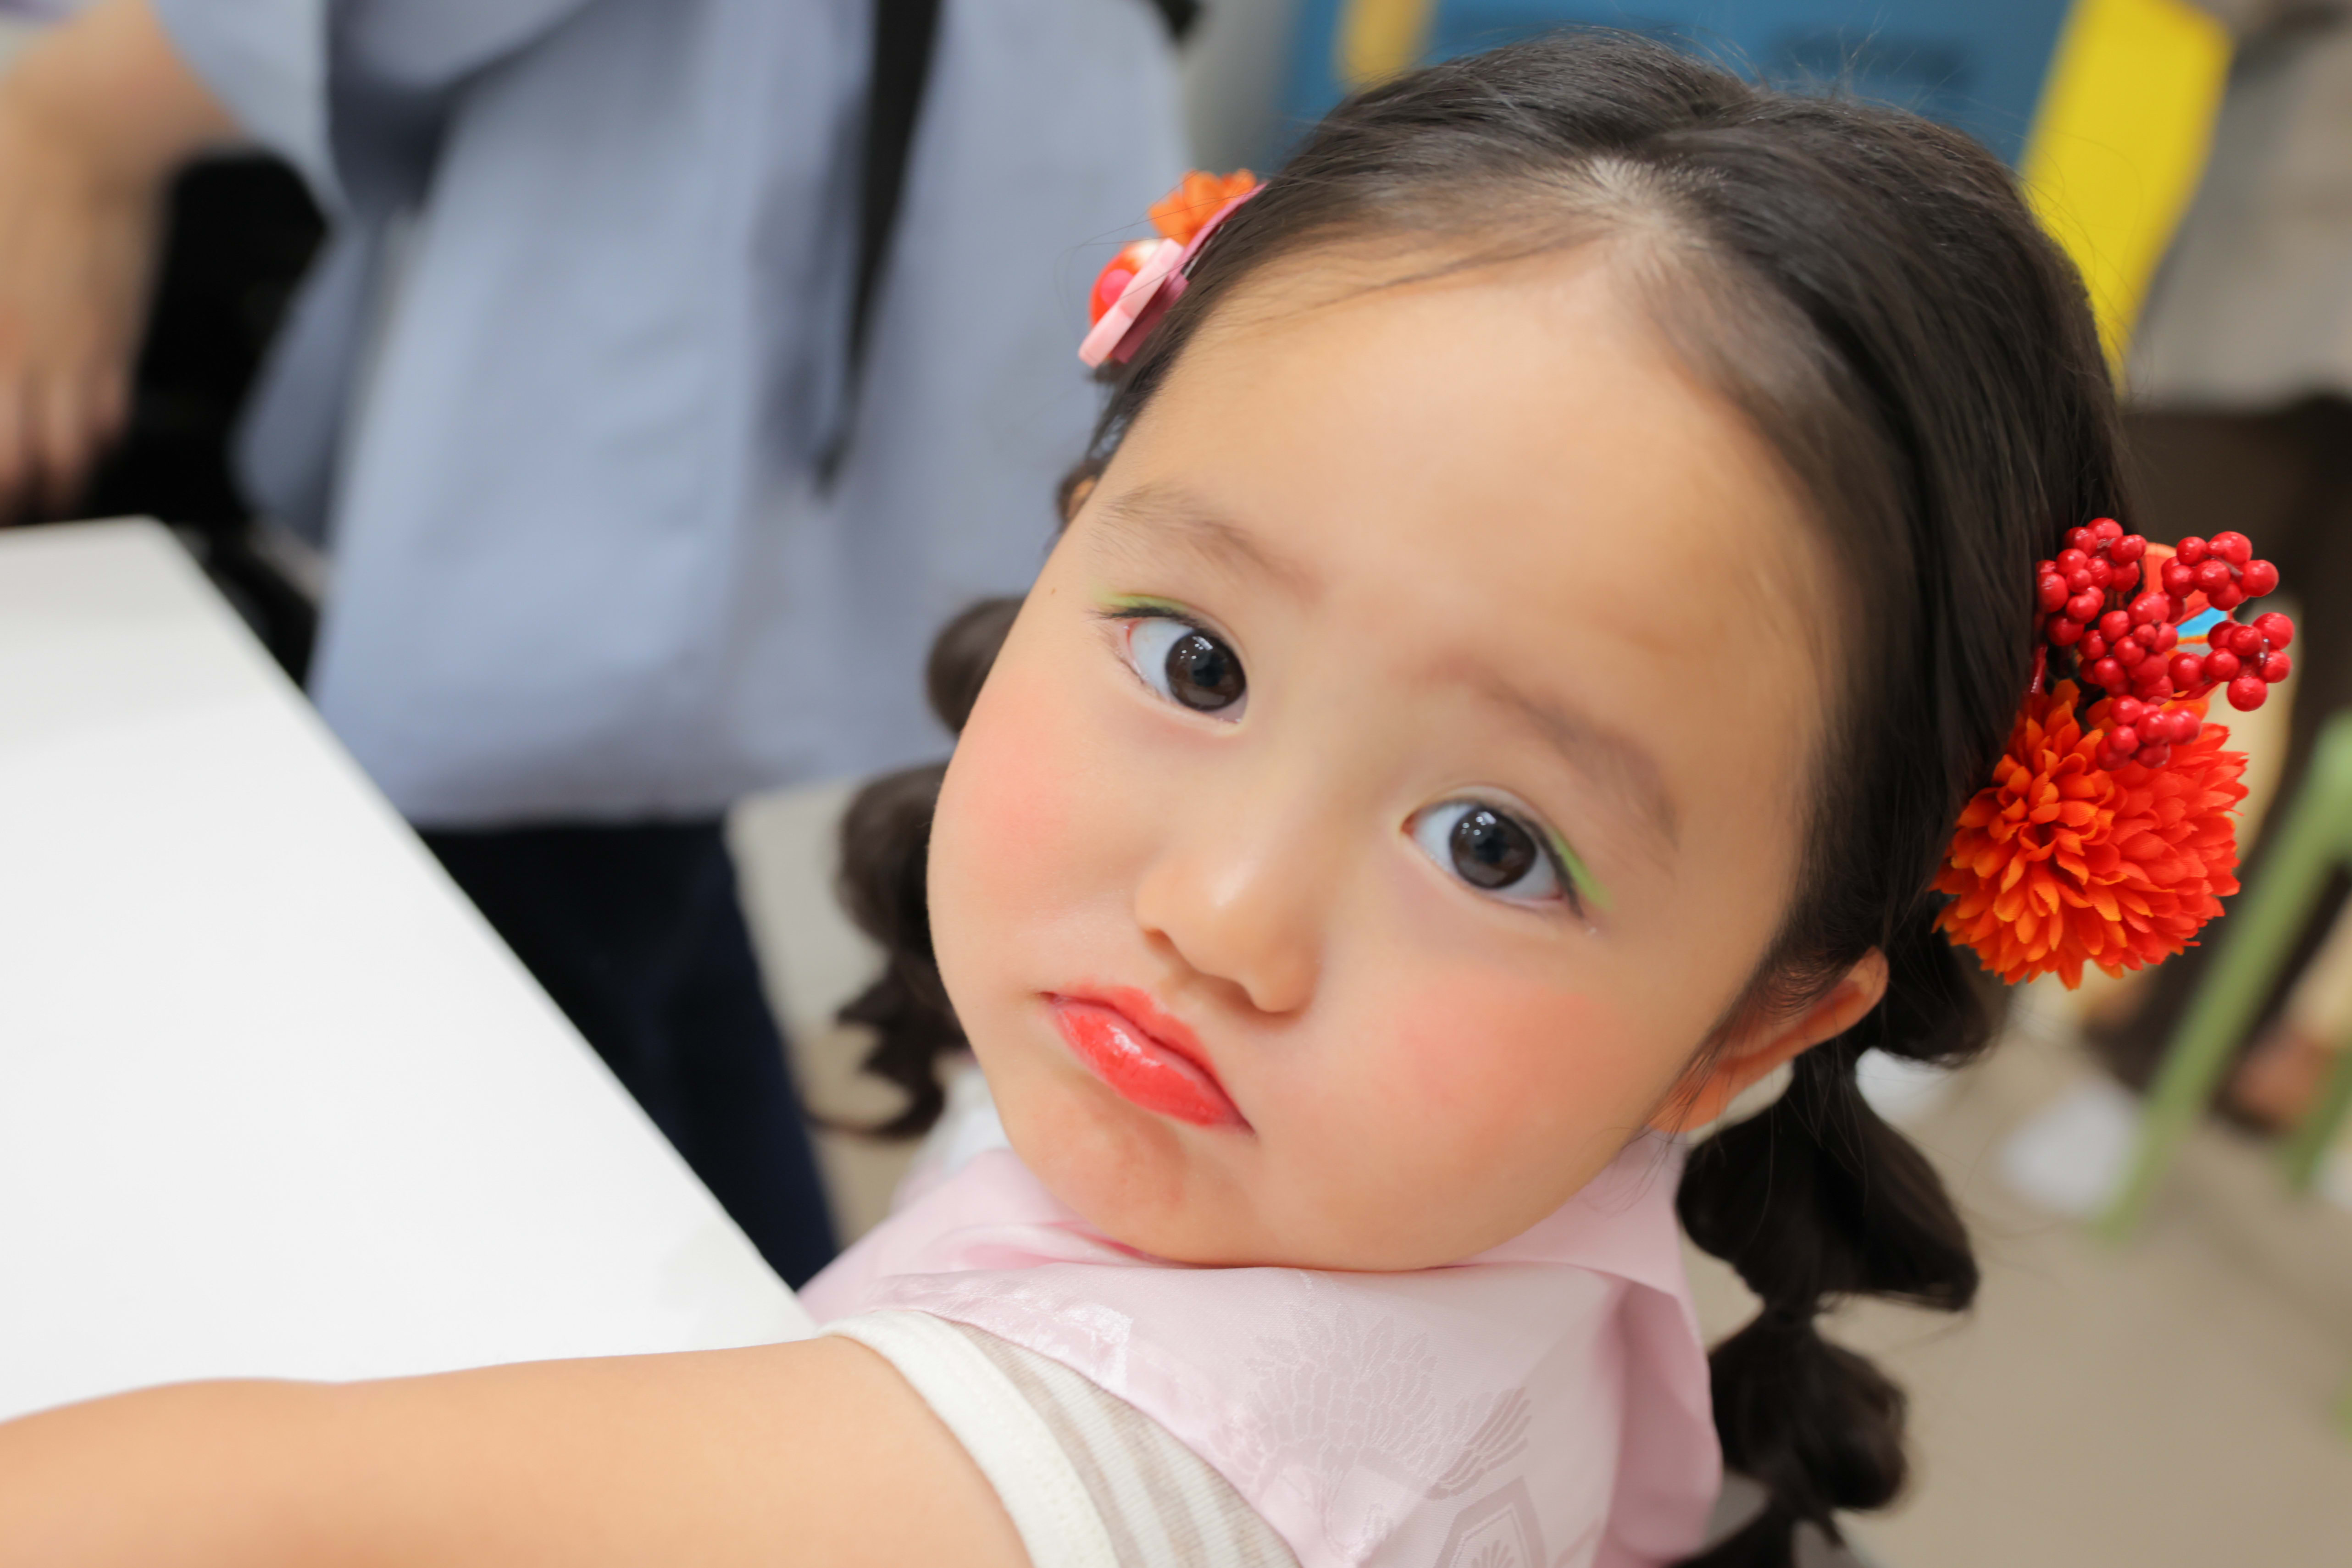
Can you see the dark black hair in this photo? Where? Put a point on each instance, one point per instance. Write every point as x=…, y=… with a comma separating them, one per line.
x=1872, y=293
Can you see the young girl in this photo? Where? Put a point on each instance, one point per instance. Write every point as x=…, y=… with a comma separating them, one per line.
x=1558, y=562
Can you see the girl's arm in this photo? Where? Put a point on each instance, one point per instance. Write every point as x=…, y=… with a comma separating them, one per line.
x=816, y=1452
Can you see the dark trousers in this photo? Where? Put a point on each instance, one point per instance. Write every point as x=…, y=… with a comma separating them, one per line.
x=2284, y=480
x=636, y=932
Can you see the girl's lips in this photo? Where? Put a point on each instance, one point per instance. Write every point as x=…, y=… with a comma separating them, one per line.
x=1158, y=1067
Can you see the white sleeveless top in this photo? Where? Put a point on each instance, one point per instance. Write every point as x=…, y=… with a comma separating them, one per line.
x=1543, y=1403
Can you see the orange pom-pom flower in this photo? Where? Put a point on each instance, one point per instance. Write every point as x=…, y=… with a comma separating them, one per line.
x=2060, y=862
x=1179, y=215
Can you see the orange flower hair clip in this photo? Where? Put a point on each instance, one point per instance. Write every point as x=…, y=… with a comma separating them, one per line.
x=1146, y=276
x=2106, y=836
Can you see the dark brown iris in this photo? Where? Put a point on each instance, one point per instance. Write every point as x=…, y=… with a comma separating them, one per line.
x=1490, y=850
x=1202, y=673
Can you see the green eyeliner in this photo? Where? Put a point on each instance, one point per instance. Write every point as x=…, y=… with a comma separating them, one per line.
x=1587, y=884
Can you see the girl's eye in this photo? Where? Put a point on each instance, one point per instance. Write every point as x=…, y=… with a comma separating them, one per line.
x=1185, y=664
x=1492, y=851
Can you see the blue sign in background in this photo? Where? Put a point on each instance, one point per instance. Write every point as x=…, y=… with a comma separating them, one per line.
x=1974, y=63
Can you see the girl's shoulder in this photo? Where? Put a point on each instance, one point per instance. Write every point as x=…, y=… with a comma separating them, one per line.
x=1553, y=1389
x=1086, y=1477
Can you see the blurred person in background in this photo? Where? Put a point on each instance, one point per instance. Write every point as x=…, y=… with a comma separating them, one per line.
x=235, y=235
x=2241, y=376
x=672, y=369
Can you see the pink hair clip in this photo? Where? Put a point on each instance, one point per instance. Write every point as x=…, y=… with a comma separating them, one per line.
x=1155, y=274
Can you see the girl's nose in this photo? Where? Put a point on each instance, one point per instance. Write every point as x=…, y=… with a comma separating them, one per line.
x=1243, y=896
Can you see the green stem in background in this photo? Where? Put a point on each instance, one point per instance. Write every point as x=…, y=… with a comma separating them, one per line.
x=2256, y=937
x=2306, y=1148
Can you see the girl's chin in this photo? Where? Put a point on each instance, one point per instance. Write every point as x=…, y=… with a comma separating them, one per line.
x=1127, y=1174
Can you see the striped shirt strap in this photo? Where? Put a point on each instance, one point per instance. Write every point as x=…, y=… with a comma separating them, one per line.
x=1087, y=1478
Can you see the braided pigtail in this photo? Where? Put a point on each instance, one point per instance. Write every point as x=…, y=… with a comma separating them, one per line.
x=886, y=839
x=1813, y=1200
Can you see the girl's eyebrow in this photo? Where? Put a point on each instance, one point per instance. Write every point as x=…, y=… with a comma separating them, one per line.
x=1615, y=763
x=1163, y=514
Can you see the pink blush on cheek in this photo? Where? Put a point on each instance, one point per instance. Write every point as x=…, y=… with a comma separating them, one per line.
x=1495, y=1058
x=1455, y=1107
x=1009, y=786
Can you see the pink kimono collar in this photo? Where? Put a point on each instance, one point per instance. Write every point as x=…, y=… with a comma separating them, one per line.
x=1544, y=1403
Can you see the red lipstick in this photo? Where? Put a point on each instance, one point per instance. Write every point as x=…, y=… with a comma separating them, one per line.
x=1144, y=1054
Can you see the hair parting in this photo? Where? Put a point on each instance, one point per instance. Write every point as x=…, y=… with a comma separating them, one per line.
x=1871, y=294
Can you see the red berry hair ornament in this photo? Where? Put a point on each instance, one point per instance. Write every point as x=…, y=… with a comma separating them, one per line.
x=2106, y=836
x=1144, y=279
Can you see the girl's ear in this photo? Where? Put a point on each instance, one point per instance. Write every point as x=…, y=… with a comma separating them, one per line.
x=1750, y=1055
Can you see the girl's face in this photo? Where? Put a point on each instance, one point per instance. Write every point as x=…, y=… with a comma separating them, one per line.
x=1395, y=774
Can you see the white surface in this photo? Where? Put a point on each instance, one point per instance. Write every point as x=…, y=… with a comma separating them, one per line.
x=1901, y=1090
x=273, y=1099
x=2070, y=1156
x=2335, y=1178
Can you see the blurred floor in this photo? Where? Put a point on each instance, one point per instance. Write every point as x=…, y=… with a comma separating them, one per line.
x=2162, y=1405
x=2159, y=1405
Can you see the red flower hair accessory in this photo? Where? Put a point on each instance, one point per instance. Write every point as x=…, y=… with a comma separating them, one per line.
x=1146, y=276
x=2066, y=860
x=2106, y=837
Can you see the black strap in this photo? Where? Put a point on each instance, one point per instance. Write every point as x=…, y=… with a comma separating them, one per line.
x=906, y=41
x=906, y=38
x=1180, y=16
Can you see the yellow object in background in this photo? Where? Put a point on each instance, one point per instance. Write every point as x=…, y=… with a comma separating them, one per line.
x=1378, y=39
x=2119, y=142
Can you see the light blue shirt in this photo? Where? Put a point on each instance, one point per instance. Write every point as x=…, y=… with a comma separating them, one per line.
x=556, y=388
